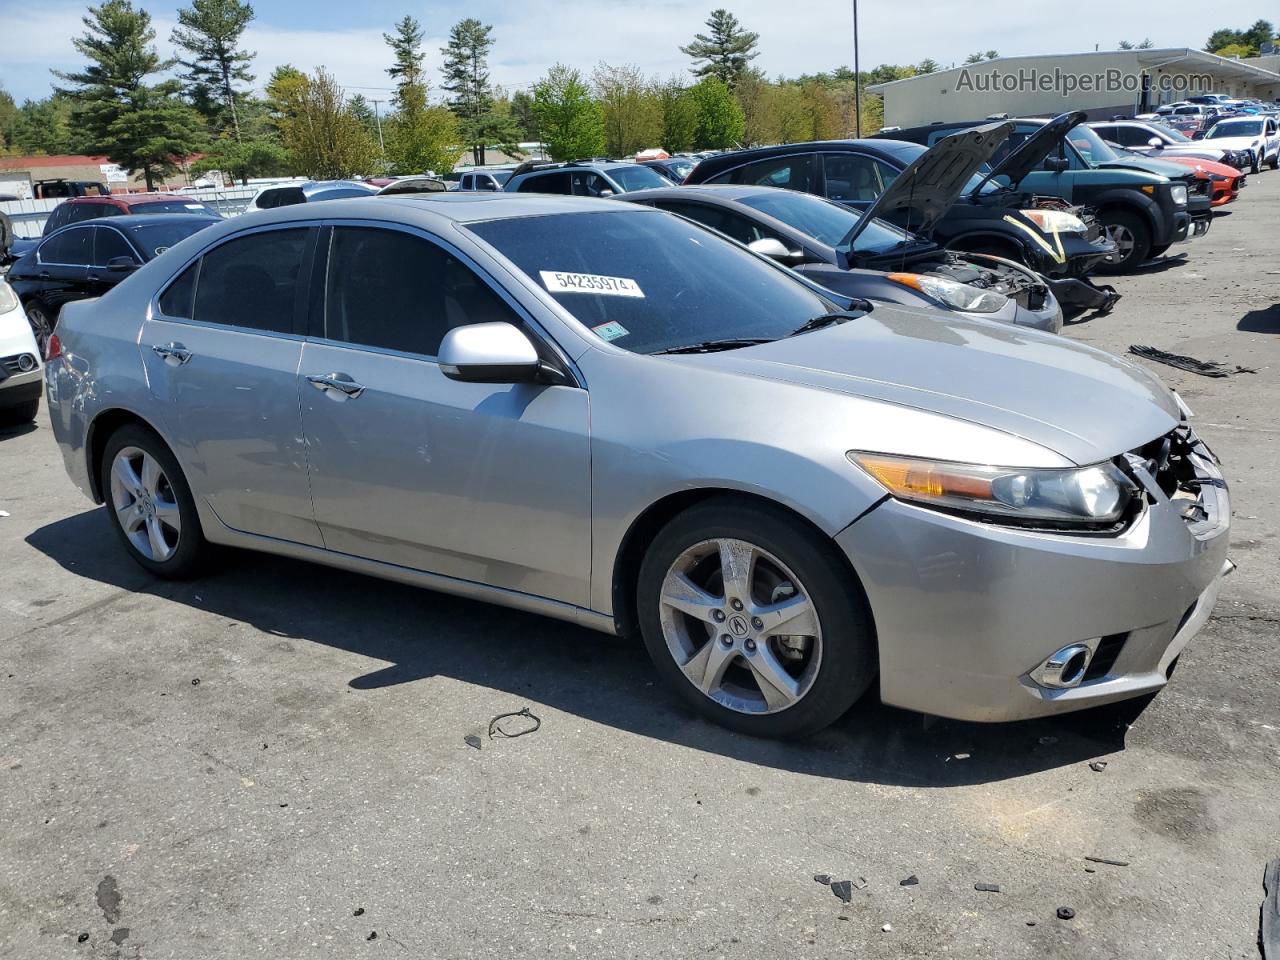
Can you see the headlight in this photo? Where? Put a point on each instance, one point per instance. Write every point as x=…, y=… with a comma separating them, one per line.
x=1096, y=494
x=8, y=299
x=1055, y=221
x=958, y=296
x=1179, y=193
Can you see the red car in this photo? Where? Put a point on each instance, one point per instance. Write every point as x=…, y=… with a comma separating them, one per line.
x=1227, y=180
x=90, y=208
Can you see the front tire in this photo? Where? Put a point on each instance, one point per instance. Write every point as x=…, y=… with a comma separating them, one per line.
x=150, y=504
x=1274, y=162
x=754, y=619
x=1132, y=235
x=1255, y=163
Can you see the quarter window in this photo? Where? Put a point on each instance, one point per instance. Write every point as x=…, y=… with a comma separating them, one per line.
x=252, y=281
x=390, y=289
x=179, y=299
x=72, y=248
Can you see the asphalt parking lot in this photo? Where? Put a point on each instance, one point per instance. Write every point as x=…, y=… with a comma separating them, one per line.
x=273, y=760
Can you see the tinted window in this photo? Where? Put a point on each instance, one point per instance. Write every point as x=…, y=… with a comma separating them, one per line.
x=155, y=238
x=637, y=177
x=546, y=183
x=178, y=300
x=1235, y=128
x=394, y=290
x=70, y=247
x=108, y=244
x=827, y=222
x=340, y=193
x=252, y=282
x=852, y=177
x=280, y=197
x=176, y=206
x=91, y=211
x=794, y=173
x=647, y=282
x=589, y=184
x=741, y=228
x=58, y=218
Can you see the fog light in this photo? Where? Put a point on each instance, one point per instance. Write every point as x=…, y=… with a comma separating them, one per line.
x=1066, y=667
x=26, y=363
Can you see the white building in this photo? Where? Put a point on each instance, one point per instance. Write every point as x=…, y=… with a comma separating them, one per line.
x=1105, y=83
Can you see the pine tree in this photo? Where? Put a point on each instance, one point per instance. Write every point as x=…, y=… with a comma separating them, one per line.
x=139, y=126
x=406, y=47
x=724, y=51
x=216, y=69
x=569, y=121
x=927, y=65
x=466, y=76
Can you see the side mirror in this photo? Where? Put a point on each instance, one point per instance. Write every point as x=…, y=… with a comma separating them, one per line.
x=121, y=265
x=488, y=353
x=1155, y=142
x=1057, y=164
x=606, y=192
x=774, y=249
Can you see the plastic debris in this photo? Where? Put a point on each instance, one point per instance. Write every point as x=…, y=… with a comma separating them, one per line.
x=842, y=889
x=823, y=878
x=82, y=938
x=911, y=881
x=195, y=681
x=887, y=928
x=1065, y=913
x=987, y=887
x=860, y=883
x=1098, y=766
x=1110, y=863
x=471, y=740
x=358, y=912
x=5, y=513
x=1206, y=368
x=373, y=935
x=496, y=728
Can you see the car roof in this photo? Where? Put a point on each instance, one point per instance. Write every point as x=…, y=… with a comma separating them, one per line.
x=728, y=192
x=146, y=219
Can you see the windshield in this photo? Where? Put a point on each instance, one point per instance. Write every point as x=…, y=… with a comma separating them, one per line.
x=1091, y=146
x=680, y=168
x=1169, y=133
x=637, y=178
x=647, y=281
x=154, y=239
x=1234, y=128
x=825, y=221
x=175, y=206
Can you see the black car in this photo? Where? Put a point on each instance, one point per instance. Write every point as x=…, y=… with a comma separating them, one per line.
x=674, y=168
x=939, y=195
x=88, y=259
x=1147, y=204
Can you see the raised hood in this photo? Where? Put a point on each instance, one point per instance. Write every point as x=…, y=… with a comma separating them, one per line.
x=933, y=182
x=1082, y=403
x=1027, y=156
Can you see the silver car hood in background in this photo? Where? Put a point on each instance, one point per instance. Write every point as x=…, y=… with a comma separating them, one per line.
x=1077, y=401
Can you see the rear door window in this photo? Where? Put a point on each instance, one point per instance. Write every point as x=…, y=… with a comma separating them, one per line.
x=398, y=291
x=280, y=197
x=855, y=177
x=69, y=248
x=793, y=173
x=109, y=245
x=546, y=183
x=252, y=281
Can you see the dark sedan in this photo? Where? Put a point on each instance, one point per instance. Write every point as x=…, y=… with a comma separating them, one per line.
x=88, y=259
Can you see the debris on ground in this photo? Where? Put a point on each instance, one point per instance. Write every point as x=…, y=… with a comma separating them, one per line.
x=358, y=912
x=195, y=681
x=1110, y=863
x=495, y=726
x=471, y=740
x=4, y=513
x=860, y=883
x=1269, y=933
x=1206, y=368
x=1065, y=913
x=1098, y=766
x=842, y=889
x=823, y=878
x=82, y=938
x=987, y=887
x=911, y=881
x=373, y=935
x=887, y=928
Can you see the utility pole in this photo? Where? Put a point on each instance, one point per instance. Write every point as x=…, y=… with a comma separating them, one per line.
x=377, y=119
x=857, y=78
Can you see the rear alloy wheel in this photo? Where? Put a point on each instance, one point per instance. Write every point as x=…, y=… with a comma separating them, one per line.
x=754, y=620
x=41, y=324
x=150, y=504
x=1132, y=237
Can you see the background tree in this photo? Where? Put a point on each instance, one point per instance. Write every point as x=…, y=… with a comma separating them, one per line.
x=216, y=70
x=1125, y=45
x=521, y=109
x=569, y=121
x=406, y=49
x=973, y=58
x=631, y=113
x=362, y=110
x=1241, y=43
x=679, y=115
x=323, y=139
x=1146, y=44
x=466, y=76
x=991, y=54
x=927, y=65
x=8, y=121
x=724, y=51
x=250, y=157
x=43, y=126
x=421, y=137
x=719, y=122
x=142, y=127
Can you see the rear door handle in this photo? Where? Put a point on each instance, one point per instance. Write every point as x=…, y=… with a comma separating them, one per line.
x=336, y=385
x=174, y=354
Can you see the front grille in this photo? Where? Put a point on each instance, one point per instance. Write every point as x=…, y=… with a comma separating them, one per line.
x=1104, y=658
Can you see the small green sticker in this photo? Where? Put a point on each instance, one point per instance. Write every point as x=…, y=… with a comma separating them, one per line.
x=610, y=331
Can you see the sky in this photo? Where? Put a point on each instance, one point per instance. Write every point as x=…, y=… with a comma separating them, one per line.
x=531, y=35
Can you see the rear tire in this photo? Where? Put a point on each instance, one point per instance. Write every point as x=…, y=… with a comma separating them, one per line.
x=42, y=323
x=1132, y=235
x=149, y=504
x=1159, y=251
x=718, y=639
x=1274, y=162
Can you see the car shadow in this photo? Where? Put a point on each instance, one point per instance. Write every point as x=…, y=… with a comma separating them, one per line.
x=1266, y=320
x=9, y=431
x=608, y=680
x=1160, y=265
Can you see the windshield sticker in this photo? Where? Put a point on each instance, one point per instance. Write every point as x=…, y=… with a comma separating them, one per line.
x=590, y=283
x=610, y=331
x=194, y=206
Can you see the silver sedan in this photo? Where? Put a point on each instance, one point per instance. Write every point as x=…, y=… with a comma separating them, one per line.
x=607, y=414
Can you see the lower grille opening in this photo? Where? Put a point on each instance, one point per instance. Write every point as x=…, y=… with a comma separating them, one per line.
x=1104, y=658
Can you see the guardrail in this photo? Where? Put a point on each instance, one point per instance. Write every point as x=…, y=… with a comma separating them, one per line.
x=28, y=216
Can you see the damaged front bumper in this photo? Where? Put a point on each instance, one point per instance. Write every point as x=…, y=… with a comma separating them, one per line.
x=968, y=612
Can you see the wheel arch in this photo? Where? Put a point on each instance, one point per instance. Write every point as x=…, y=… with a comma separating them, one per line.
x=103, y=425
x=643, y=529
x=1127, y=201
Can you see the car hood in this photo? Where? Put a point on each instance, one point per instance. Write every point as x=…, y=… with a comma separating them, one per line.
x=1020, y=162
x=1082, y=403
x=1232, y=143
x=933, y=182
x=1164, y=168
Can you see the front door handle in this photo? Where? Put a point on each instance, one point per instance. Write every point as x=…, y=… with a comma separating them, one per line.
x=174, y=354
x=336, y=385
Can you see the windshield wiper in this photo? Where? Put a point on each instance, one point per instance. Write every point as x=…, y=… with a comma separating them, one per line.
x=713, y=346
x=825, y=320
